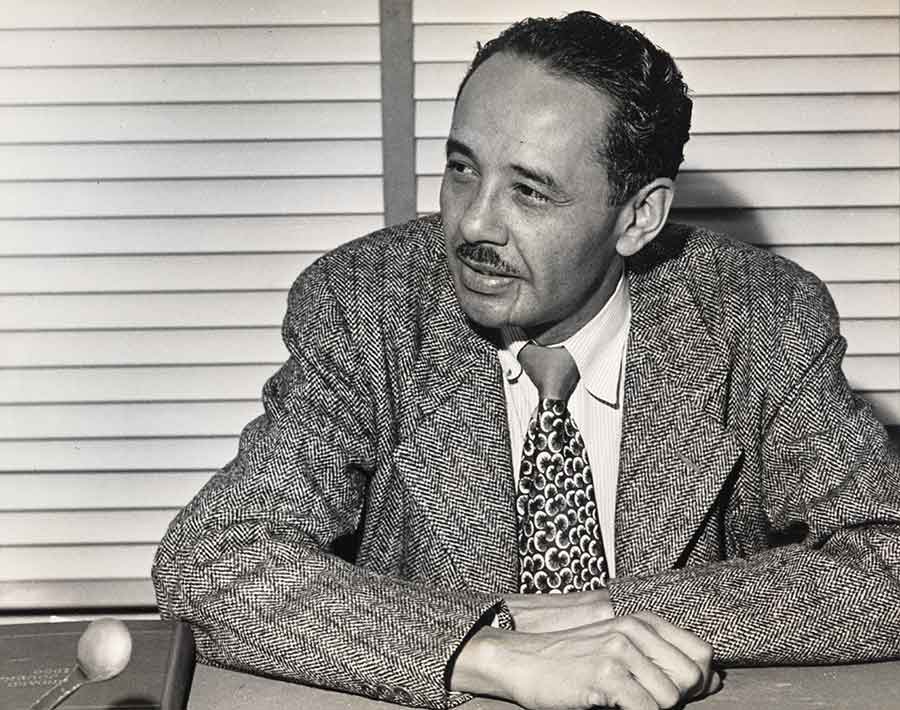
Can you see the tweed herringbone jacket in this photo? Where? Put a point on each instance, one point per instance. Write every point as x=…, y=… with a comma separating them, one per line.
x=758, y=500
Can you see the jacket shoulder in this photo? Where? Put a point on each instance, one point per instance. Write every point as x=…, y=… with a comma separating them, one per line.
x=389, y=264
x=739, y=287
x=399, y=250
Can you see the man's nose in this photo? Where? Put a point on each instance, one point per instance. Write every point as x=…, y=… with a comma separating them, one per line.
x=482, y=219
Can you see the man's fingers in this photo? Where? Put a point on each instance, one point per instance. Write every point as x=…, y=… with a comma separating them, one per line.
x=617, y=688
x=690, y=643
x=684, y=671
x=700, y=652
x=649, y=676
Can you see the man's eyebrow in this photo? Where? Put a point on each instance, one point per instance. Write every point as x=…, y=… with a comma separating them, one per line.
x=455, y=146
x=545, y=179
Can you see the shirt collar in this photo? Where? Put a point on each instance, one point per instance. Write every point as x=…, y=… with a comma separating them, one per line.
x=597, y=347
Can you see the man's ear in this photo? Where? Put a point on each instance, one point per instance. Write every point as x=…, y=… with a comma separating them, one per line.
x=644, y=216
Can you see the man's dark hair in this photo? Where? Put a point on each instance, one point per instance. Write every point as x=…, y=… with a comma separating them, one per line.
x=651, y=119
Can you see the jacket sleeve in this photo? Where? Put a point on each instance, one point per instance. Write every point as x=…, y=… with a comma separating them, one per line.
x=829, y=480
x=248, y=562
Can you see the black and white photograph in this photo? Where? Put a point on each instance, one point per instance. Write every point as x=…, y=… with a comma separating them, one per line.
x=359, y=354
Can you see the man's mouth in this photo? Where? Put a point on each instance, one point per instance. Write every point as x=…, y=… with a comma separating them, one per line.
x=484, y=260
x=485, y=269
x=478, y=277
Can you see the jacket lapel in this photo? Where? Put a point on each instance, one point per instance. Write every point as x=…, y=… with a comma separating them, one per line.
x=676, y=452
x=456, y=448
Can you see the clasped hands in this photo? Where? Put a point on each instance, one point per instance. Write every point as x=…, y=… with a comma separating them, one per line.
x=569, y=651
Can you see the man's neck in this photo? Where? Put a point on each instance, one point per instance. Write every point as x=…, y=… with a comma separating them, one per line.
x=556, y=333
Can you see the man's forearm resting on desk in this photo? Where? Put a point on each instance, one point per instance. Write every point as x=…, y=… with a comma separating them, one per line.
x=569, y=651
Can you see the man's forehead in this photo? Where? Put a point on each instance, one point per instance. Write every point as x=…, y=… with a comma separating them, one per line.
x=517, y=106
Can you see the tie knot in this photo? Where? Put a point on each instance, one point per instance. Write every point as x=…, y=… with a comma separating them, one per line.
x=552, y=370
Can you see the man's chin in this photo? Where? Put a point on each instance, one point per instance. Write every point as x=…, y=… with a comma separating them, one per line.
x=486, y=307
x=486, y=311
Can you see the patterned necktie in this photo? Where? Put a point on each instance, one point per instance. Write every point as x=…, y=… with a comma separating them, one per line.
x=560, y=544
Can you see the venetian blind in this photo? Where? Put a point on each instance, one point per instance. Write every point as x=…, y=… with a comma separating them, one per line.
x=795, y=142
x=166, y=169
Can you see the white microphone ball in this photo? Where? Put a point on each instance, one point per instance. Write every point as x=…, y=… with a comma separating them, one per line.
x=104, y=649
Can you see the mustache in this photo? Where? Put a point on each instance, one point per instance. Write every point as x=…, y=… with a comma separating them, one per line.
x=485, y=256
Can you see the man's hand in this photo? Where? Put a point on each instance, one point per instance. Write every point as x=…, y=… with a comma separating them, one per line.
x=638, y=662
x=540, y=613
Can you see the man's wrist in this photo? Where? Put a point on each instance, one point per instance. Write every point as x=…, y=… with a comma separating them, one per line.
x=539, y=613
x=478, y=667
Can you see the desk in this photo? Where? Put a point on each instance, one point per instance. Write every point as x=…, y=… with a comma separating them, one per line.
x=874, y=686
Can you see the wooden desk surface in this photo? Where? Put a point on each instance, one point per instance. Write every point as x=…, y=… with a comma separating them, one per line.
x=874, y=686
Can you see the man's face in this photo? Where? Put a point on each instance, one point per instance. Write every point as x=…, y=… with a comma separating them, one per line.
x=530, y=236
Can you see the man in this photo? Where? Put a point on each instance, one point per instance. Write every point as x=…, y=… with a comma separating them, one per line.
x=545, y=389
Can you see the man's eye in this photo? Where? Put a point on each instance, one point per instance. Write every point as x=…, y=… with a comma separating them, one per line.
x=531, y=194
x=455, y=166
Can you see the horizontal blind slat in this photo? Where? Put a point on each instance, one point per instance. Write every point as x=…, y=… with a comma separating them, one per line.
x=83, y=527
x=135, y=384
x=192, y=235
x=132, y=13
x=71, y=491
x=874, y=300
x=849, y=111
x=191, y=122
x=873, y=372
x=731, y=77
x=175, y=272
x=857, y=225
x=846, y=263
x=72, y=421
x=196, y=45
x=468, y=11
x=877, y=336
x=191, y=160
x=801, y=188
x=306, y=82
x=191, y=197
x=99, y=594
x=703, y=38
x=142, y=347
x=76, y=562
x=95, y=455
x=155, y=310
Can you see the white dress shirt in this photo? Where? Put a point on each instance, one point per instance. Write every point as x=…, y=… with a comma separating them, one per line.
x=598, y=349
